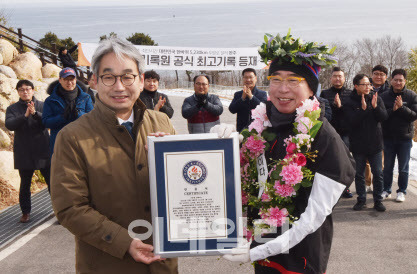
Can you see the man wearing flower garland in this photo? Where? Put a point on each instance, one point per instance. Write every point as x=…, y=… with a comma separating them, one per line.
x=305, y=247
x=247, y=99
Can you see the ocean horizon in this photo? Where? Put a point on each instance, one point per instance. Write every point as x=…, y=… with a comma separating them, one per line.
x=224, y=24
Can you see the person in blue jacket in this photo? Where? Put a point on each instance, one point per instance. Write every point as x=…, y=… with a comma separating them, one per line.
x=66, y=103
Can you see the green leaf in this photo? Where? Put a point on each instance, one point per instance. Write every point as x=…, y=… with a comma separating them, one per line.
x=275, y=174
x=306, y=183
x=245, y=133
x=332, y=50
x=315, y=129
x=269, y=136
x=297, y=187
x=290, y=208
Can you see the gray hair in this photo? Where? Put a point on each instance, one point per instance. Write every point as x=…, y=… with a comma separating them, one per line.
x=122, y=48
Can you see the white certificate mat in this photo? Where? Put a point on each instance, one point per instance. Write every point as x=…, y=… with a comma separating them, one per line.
x=196, y=186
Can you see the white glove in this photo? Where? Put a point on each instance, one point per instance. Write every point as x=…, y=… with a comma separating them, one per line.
x=239, y=254
x=223, y=130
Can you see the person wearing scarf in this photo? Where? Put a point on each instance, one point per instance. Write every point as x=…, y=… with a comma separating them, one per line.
x=66, y=103
x=305, y=246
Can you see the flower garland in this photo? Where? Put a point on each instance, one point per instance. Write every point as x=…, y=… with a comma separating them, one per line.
x=285, y=176
x=289, y=49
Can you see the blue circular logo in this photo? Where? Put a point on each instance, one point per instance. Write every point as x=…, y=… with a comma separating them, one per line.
x=194, y=172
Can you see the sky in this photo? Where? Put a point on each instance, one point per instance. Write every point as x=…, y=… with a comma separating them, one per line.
x=14, y=3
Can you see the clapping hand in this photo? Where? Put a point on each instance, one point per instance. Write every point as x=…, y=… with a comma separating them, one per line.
x=337, y=101
x=398, y=103
x=375, y=100
x=363, y=102
x=30, y=109
x=161, y=103
x=247, y=92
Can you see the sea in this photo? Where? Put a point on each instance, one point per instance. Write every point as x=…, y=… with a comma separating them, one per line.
x=238, y=24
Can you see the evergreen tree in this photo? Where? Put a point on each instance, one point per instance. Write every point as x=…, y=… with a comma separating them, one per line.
x=141, y=39
x=412, y=70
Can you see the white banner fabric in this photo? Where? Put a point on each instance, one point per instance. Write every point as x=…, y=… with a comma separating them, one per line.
x=185, y=58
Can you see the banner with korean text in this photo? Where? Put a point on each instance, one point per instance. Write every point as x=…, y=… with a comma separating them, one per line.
x=186, y=58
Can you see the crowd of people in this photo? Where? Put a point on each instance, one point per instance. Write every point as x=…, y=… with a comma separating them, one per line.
x=98, y=134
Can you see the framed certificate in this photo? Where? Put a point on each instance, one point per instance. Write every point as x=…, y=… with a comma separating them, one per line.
x=195, y=194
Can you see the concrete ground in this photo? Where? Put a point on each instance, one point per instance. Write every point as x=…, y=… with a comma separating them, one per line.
x=363, y=242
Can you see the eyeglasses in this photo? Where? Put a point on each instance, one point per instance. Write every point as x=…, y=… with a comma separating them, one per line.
x=291, y=81
x=24, y=89
x=201, y=84
x=381, y=74
x=398, y=80
x=110, y=79
x=367, y=85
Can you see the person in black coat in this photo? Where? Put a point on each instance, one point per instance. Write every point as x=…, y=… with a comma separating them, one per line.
x=365, y=112
x=66, y=58
x=31, y=142
x=398, y=129
x=246, y=100
x=152, y=98
x=337, y=95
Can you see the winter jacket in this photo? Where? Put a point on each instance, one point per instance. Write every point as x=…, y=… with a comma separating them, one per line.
x=150, y=99
x=100, y=185
x=243, y=108
x=400, y=123
x=366, y=134
x=334, y=170
x=324, y=104
x=338, y=120
x=201, y=120
x=54, y=106
x=31, y=138
x=66, y=59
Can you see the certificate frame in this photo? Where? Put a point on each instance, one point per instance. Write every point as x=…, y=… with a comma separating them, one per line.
x=163, y=153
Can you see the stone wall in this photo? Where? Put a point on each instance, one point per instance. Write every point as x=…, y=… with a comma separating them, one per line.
x=15, y=67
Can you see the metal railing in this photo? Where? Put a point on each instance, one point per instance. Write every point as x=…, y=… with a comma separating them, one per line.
x=46, y=55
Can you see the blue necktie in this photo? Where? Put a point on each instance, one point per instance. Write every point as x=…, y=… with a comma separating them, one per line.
x=129, y=126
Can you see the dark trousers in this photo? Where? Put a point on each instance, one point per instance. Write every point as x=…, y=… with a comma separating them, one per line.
x=375, y=160
x=401, y=150
x=25, y=182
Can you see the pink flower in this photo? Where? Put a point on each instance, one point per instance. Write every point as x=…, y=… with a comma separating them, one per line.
x=258, y=125
x=255, y=146
x=291, y=148
x=245, y=198
x=260, y=112
x=265, y=197
x=300, y=159
x=284, y=190
x=243, y=159
x=247, y=233
x=274, y=216
x=291, y=174
x=304, y=125
x=308, y=105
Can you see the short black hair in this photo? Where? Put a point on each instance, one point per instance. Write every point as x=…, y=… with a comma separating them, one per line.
x=24, y=82
x=195, y=77
x=399, y=71
x=380, y=68
x=337, y=69
x=152, y=75
x=248, y=70
x=357, y=79
x=61, y=49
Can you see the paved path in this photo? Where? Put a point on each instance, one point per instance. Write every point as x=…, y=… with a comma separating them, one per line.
x=364, y=242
